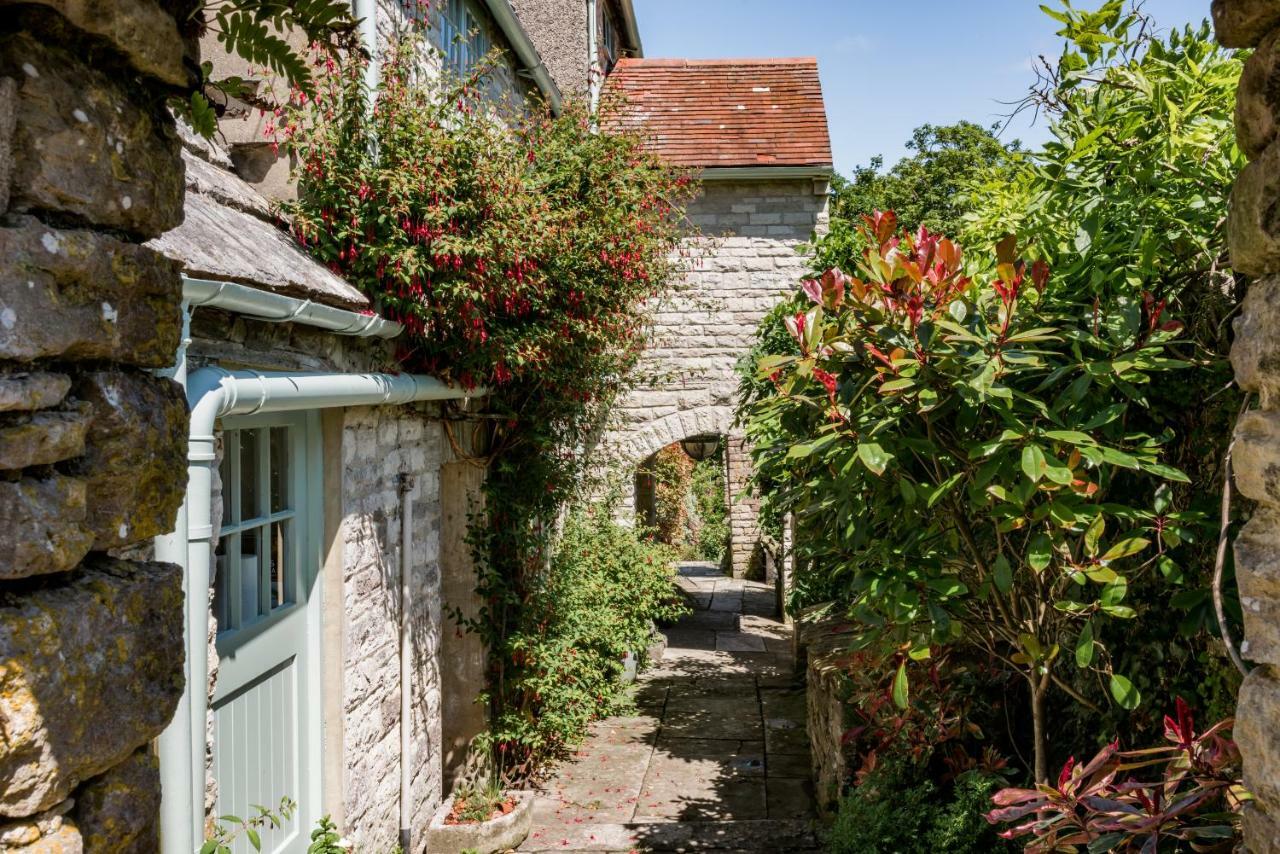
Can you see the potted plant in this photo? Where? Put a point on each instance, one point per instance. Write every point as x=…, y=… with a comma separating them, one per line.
x=480, y=818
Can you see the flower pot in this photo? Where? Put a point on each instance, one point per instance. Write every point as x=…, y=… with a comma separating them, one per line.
x=498, y=834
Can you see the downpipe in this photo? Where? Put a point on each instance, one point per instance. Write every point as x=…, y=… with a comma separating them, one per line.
x=405, y=487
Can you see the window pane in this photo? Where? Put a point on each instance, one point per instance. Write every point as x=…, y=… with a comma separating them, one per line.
x=252, y=565
x=281, y=555
x=250, y=451
x=221, y=582
x=279, y=469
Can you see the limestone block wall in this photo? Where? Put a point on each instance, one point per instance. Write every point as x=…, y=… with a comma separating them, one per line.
x=747, y=259
x=1254, y=235
x=92, y=445
x=377, y=444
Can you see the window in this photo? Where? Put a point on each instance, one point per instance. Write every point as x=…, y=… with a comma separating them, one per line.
x=462, y=38
x=258, y=542
x=610, y=40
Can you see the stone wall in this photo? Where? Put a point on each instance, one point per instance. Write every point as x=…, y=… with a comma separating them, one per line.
x=92, y=446
x=1254, y=235
x=379, y=443
x=746, y=261
x=558, y=29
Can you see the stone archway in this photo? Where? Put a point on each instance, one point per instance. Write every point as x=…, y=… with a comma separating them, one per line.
x=632, y=445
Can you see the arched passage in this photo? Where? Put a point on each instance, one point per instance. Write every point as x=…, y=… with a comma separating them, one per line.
x=630, y=447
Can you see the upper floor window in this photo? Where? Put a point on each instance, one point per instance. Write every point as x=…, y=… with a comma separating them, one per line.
x=610, y=41
x=462, y=38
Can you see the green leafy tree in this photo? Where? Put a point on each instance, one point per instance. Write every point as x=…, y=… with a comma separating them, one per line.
x=924, y=188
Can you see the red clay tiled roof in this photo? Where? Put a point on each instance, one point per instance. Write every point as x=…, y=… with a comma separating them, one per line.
x=727, y=112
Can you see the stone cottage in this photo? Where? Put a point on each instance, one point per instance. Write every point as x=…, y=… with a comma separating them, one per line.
x=221, y=510
x=755, y=132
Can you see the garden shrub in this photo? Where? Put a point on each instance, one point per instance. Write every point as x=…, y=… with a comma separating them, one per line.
x=1126, y=207
x=710, y=511
x=898, y=808
x=672, y=473
x=522, y=252
x=595, y=602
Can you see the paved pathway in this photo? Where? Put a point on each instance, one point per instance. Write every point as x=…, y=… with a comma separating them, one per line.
x=716, y=758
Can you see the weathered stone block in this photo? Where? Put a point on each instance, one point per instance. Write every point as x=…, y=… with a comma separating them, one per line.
x=135, y=460
x=1243, y=23
x=35, y=390
x=90, y=671
x=1256, y=713
x=118, y=811
x=85, y=145
x=139, y=29
x=1261, y=833
x=1256, y=458
x=8, y=110
x=1258, y=98
x=42, y=438
x=1257, y=551
x=1253, y=223
x=45, y=831
x=1255, y=353
x=80, y=294
x=42, y=526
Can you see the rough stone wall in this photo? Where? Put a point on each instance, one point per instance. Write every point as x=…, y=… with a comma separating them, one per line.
x=558, y=29
x=746, y=261
x=1254, y=236
x=91, y=655
x=822, y=647
x=379, y=443
x=745, y=553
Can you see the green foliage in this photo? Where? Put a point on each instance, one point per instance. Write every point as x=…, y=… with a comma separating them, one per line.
x=476, y=803
x=522, y=257
x=255, y=31
x=960, y=456
x=711, y=512
x=925, y=188
x=228, y=828
x=899, y=809
x=325, y=839
x=1131, y=192
x=595, y=602
x=672, y=473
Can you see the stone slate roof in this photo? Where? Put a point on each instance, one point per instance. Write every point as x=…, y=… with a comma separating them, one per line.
x=726, y=112
x=230, y=234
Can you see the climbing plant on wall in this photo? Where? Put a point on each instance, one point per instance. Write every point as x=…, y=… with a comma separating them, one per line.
x=520, y=250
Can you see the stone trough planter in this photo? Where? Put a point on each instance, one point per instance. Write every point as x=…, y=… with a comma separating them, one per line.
x=499, y=834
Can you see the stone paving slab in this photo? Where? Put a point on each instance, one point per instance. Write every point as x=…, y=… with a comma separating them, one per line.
x=715, y=758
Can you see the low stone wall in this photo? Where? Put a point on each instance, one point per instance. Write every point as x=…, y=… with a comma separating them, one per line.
x=821, y=645
x=1254, y=234
x=92, y=445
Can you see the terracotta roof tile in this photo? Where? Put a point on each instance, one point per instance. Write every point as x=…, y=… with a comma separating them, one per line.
x=726, y=112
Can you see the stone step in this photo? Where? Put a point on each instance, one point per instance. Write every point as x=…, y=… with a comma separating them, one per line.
x=721, y=837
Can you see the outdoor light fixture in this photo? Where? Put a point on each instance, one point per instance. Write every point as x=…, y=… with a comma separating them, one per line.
x=700, y=447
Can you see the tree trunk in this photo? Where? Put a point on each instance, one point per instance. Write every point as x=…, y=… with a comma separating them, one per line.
x=1040, y=736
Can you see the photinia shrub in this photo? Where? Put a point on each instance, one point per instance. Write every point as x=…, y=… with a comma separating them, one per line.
x=959, y=458
x=1099, y=806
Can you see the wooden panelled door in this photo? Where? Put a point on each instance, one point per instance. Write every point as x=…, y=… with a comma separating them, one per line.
x=266, y=708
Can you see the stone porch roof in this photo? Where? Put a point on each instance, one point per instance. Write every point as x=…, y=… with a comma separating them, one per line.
x=230, y=234
x=713, y=113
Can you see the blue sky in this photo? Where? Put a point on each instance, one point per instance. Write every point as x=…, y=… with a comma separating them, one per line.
x=887, y=67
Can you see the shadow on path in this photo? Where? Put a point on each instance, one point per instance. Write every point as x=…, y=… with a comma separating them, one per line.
x=716, y=758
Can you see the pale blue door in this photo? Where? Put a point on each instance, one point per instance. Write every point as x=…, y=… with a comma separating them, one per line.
x=266, y=709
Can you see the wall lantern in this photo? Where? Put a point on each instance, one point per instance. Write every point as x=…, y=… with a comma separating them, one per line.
x=700, y=447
